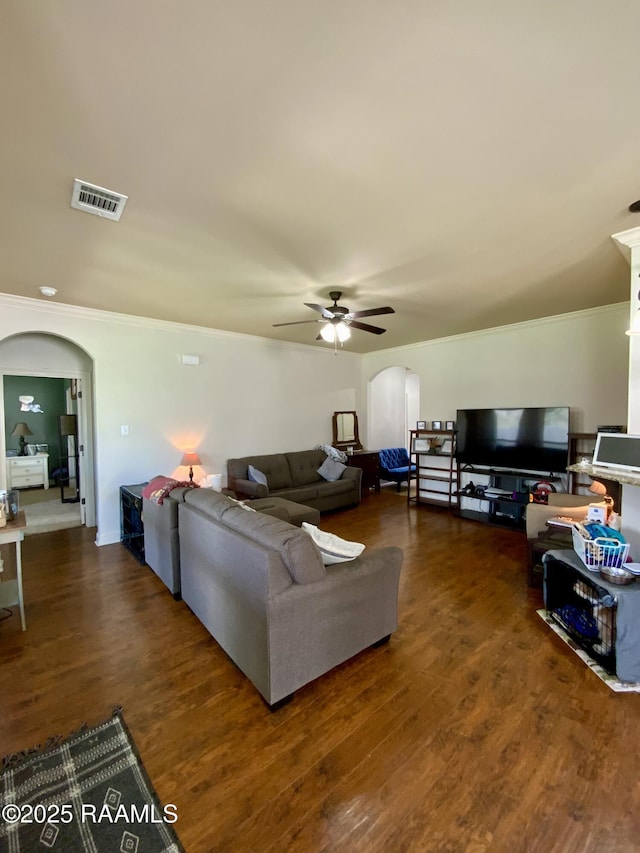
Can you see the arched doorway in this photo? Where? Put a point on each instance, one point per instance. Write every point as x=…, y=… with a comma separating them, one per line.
x=393, y=406
x=37, y=355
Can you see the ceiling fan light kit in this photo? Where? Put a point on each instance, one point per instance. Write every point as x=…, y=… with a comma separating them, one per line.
x=332, y=331
x=338, y=320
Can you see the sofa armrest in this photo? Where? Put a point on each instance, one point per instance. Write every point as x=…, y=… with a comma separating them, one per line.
x=249, y=489
x=330, y=620
x=351, y=472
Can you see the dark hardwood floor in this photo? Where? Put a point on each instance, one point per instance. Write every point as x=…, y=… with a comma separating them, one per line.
x=475, y=729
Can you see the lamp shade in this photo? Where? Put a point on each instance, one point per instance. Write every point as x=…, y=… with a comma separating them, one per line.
x=190, y=458
x=21, y=429
x=598, y=488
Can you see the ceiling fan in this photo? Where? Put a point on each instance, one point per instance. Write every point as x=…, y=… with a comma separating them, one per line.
x=338, y=320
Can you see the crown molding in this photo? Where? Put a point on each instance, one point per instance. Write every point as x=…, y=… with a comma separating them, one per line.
x=526, y=324
x=627, y=241
x=63, y=309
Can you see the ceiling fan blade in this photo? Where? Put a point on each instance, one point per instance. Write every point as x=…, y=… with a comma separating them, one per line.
x=365, y=327
x=326, y=313
x=371, y=312
x=297, y=323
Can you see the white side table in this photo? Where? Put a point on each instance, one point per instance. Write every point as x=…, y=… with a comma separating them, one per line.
x=11, y=591
x=25, y=471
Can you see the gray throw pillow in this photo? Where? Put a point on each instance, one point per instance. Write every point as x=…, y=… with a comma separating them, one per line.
x=331, y=470
x=256, y=476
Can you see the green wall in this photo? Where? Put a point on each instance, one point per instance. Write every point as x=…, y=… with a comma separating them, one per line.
x=50, y=394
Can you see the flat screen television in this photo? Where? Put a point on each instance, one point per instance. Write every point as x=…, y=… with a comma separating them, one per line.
x=527, y=439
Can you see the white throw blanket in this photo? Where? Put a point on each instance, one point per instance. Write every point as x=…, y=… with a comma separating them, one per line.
x=332, y=452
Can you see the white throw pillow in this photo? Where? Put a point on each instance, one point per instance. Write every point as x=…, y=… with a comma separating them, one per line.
x=255, y=475
x=331, y=470
x=332, y=548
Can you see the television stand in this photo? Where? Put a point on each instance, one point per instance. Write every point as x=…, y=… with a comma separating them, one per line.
x=502, y=500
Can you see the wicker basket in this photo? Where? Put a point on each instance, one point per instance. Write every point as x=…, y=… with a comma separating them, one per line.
x=599, y=552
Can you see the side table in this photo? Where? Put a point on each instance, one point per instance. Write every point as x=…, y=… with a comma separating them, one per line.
x=131, y=522
x=369, y=461
x=552, y=539
x=11, y=591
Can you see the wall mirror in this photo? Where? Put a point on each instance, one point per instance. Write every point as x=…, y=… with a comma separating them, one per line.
x=345, y=430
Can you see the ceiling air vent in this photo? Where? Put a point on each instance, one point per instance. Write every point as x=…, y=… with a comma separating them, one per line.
x=98, y=200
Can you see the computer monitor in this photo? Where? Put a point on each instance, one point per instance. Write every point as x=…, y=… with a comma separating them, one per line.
x=617, y=450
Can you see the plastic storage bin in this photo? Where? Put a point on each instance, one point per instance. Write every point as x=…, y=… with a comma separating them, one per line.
x=596, y=553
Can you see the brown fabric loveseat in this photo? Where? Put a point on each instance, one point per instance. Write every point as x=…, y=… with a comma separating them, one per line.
x=294, y=476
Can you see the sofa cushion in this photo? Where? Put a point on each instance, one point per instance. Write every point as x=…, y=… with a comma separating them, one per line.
x=299, y=553
x=300, y=495
x=338, y=487
x=303, y=466
x=274, y=466
x=333, y=549
x=331, y=470
x=209, y=502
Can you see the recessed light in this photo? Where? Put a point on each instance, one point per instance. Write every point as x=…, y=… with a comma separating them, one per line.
x=635, y=207
x=47, y=291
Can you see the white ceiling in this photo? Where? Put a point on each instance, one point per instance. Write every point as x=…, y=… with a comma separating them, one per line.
x=463, y=162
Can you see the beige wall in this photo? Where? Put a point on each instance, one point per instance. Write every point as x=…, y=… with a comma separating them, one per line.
x=578, y=360
x=252, y=395
x=248, y=395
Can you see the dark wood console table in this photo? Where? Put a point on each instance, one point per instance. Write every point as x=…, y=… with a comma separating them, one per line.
x=369, y=461
x=131, y=522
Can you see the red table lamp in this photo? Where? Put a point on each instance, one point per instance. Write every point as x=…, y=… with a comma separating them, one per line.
x=190, y=458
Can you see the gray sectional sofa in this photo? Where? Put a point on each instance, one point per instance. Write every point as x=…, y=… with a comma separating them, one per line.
x=259, y=586
x=294, y=476
x=161, y=535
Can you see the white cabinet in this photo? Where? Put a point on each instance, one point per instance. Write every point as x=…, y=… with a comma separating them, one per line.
x=24, y=471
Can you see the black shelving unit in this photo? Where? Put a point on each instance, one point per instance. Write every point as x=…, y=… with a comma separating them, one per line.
x=505, y=510
x=131, y=522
